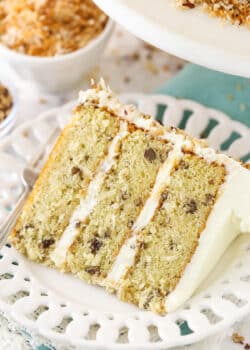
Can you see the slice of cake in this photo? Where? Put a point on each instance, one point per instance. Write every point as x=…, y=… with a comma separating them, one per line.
x=125, y=203
x=235, y=11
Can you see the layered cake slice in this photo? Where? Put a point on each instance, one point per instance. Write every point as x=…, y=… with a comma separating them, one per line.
x=125, y=203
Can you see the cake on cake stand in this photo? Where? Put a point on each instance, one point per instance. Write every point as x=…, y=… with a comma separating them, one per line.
x=189, y=34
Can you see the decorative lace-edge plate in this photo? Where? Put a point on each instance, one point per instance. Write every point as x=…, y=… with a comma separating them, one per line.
x=65, y=310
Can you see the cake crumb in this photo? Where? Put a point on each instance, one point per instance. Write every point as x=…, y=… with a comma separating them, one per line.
x=42, y=101
x=165, y=67
x=151, y=67
x=238, y=338
x=127, y=79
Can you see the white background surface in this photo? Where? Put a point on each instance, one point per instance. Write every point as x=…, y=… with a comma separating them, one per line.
x=128, y=65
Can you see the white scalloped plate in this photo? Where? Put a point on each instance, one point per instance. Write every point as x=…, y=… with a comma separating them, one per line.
x=189, y=34
x=64, y=309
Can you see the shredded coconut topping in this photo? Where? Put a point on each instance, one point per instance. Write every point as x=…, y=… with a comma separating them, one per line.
x=235, y=11
x=49, y=27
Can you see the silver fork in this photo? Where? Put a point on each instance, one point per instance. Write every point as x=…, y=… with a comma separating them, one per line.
x=29, y=176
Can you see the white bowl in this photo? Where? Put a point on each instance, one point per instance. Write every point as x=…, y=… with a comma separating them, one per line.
x=58, y=73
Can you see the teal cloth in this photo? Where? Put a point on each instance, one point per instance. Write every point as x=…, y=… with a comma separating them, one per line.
x=227, y=93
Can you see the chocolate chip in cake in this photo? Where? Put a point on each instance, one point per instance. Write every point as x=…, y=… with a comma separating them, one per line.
x=86, y=157
x=209, y=199
x=26, y=227
x=171, y=244
x=191, y=207
x=211, y=182
x=78, y=224
x=124, y=196
x=107, y=233
x=142, y=245
x=130, y=224
x=47, y=243
x=158, y=292
x=17, y=232
x=93, y=270
x=95, y=245
x=138, y=202
x=150, y=154
x=75, y=170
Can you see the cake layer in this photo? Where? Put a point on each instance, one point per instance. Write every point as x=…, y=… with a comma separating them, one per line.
x=166, y=245
x=63, y=182
x=121, y=198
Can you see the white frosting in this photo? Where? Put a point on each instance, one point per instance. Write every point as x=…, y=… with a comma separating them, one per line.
x=103, y=97
x=87, y=203
x=125, y=258
x=229, y=217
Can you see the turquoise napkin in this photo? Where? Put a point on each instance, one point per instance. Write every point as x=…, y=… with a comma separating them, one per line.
x=227, y=93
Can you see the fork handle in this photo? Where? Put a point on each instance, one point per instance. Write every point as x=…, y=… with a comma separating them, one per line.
x=10, y=222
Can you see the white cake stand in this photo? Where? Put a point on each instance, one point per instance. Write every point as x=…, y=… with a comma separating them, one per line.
x=189, y=34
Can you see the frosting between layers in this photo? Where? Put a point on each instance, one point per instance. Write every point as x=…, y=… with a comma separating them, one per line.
x=88, y=203
x=125, y=258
